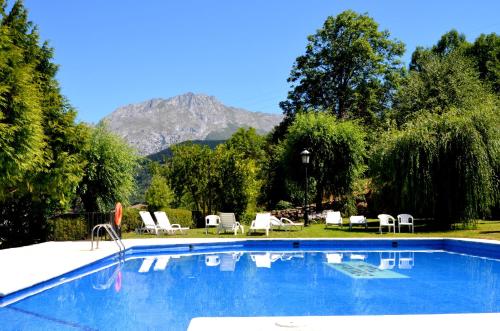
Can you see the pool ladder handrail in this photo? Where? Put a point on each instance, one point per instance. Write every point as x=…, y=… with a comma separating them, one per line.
x=112, y=233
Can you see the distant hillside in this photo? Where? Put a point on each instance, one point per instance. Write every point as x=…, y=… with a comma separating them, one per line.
x=154, y=125
x=167, y=153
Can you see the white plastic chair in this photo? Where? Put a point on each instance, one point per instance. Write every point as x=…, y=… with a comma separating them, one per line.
x=357, y=220
x=386, y=220
x=211, y=220
x=164, y=223
x=405, y=219
x=333, y=218
x=261, y=222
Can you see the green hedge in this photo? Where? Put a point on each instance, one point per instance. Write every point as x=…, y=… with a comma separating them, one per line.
x=131, y=219
x=62, y=229
x=179, y=216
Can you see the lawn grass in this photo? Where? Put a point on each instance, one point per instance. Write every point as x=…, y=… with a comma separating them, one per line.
x=483, y=230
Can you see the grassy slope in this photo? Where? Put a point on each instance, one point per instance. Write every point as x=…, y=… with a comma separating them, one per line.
x=484, y=230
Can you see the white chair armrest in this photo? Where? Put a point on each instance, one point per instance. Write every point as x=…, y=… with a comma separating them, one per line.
x=284, y=219
x=176, y=225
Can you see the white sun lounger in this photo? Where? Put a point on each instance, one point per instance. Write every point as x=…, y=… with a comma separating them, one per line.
x=164, y=223
x=149, y=224
x=284, y=223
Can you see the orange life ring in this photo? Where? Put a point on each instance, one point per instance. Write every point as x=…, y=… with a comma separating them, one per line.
x=118, y=214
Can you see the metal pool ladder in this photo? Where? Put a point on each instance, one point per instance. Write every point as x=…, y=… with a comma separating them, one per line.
x=112, y=233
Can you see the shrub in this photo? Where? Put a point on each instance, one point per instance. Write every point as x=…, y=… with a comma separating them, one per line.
x=283, y=205
x=62, y=229
x=246, y=218
x=131, y=219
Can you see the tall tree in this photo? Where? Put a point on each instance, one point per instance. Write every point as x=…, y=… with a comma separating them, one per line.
x=40, y=144
x=158, y=195
x=350, y=69
x=484, y=55
x=486, y=52
x=189, y=173
x=109, y=173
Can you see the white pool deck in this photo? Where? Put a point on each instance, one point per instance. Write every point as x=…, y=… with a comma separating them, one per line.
x=26, y=266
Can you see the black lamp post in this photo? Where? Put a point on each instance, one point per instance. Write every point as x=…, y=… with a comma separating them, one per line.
x=305, y=160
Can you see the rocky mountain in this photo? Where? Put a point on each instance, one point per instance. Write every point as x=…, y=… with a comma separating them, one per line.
x=154, y=125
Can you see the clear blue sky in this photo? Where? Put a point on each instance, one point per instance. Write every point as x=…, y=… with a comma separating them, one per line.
x=116, y=52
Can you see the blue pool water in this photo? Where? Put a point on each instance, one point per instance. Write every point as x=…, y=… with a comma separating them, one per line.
x=166, y=289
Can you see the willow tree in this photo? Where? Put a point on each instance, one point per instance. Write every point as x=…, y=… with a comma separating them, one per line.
x=337, y=153
x=444, y=166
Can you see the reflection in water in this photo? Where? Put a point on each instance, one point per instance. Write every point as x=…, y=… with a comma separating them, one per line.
x=103, y=279
x=146, y=264
x=212, y=260
x=228, y=261
x=359, y=257
x=406, y=260
x=387, y=260
x=334, y=258
x=161, y=263
x=264, y=260
x=225, y=261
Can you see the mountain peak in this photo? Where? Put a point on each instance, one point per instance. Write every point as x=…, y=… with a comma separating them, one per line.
x=155, y=124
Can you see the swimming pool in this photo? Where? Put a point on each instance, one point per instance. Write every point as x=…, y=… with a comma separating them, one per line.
x=165, y=287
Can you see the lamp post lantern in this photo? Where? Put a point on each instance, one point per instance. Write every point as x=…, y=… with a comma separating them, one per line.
x=305, y=161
